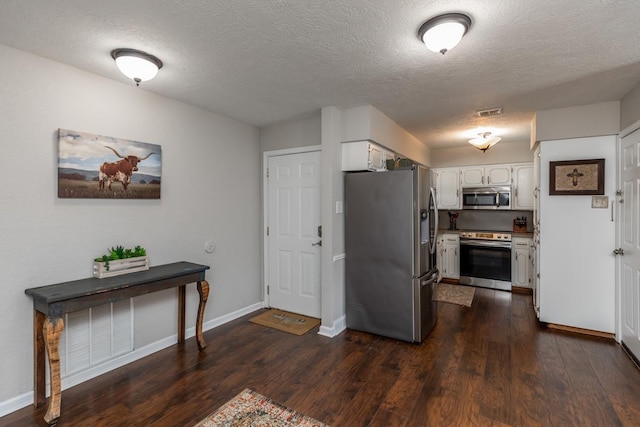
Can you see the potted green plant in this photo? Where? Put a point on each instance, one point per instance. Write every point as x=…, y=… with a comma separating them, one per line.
x=120, y=260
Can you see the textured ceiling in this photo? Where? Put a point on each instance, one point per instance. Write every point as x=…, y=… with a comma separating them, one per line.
x=264, y=61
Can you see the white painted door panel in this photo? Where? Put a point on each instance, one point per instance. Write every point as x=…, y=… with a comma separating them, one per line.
x=294, y=242
x=629, y=263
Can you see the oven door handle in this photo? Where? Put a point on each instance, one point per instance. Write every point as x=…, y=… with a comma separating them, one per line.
x=485, y=243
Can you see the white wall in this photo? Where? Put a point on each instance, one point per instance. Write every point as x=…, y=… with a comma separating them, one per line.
x=210, y=190
x=576, y=122
x=630, y=108
x=577, y=270
x=512, y=152
x=368, y=123
x=299, y=132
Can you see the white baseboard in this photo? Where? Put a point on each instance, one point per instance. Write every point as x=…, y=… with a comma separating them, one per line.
x=15, y=403
x=26, y=399
x=335, y=329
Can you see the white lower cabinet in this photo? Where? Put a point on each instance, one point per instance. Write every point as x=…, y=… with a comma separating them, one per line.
x=522, y=262
x=448, y=256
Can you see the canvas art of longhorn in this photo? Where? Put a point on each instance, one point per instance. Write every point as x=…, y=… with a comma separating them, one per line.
x=89, y=165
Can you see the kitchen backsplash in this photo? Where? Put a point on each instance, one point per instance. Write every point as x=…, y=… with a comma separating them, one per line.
x=485, y=219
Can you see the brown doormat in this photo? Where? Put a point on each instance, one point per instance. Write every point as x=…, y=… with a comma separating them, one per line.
x=454, y=294
x=292, y=323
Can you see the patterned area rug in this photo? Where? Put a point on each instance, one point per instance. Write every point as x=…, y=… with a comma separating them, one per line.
x=454, y=294
x=250, y=409
x=284, y=321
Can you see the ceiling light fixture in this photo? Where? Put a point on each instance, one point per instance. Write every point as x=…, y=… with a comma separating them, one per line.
x=444, y=32
x=136, y=64
x=484, y=141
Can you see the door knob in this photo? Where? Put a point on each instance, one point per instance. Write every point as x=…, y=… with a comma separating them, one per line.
x=618, y=251
x=318, y=243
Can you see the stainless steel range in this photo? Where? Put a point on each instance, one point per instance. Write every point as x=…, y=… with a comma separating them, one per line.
x=485, y=259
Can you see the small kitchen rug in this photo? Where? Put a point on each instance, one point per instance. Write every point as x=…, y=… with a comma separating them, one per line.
x=292, y=323
x=250, y=409
x=454, y=294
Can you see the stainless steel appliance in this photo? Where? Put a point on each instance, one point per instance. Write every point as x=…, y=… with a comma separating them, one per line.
x=485, y=259
x=486, y=197
x=391, y=224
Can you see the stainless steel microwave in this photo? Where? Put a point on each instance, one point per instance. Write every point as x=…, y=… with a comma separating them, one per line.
x=486, y=197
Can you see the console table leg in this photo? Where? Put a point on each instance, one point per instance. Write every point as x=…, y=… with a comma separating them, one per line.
x=52, y=330
x=39, y=372
x=181, y=313
x=203, y=290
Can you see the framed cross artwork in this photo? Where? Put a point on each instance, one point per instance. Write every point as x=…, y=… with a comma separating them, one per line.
x=576, y=177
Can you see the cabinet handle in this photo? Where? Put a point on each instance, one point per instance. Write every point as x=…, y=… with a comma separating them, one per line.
x=516, y=192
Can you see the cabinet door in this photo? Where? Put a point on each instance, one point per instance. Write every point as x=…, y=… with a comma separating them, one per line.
x=453, y=262
x=451, y=256
x=521, y=263
x=472, y=176
x=440, y=258
x=523, y=187
x=498, y=175
x=520, y=268
x=376, y=159
x=448, y=188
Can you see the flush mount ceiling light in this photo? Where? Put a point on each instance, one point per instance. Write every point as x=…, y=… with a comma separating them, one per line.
x=444, y=32
x=484, y=141
x=136, y=64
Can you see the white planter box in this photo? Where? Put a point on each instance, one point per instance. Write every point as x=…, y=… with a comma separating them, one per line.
x=120, y=266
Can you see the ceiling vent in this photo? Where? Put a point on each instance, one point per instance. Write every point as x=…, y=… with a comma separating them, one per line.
x=489, y=112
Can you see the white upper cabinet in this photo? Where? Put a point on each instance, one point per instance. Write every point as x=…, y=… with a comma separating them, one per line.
x=448, y=188
x=523, y=187
x=364, y=155
x=477, y=176
x=450, y=181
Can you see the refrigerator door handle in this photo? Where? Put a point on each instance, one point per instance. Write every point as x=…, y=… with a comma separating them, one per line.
x=432, y=278
x=435, y=212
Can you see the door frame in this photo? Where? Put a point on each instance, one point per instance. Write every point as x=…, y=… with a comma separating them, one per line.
x=265, y=210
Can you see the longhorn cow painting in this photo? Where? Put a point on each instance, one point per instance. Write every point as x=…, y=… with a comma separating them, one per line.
x=102, y=167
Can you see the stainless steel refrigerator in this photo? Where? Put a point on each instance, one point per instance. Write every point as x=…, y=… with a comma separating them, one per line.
x=391, y=223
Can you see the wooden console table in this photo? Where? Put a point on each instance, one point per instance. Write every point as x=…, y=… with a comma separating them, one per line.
x=51, y=303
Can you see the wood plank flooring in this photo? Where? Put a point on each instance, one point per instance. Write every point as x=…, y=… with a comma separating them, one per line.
x=488, y=365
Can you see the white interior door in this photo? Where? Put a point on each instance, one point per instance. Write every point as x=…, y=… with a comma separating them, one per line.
x=629, y=263
x=294, y=252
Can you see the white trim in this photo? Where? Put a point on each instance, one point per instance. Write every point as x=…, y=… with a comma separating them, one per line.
x=338, y=257
x=287, y=151
x=629, y=129
x=337, y=328
x=15, y=403
x=265, y=207
x=26, y=399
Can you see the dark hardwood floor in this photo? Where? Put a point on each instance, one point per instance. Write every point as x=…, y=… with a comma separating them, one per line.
x=489, y=365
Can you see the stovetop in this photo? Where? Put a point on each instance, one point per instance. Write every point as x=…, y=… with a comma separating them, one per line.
x=486, y=235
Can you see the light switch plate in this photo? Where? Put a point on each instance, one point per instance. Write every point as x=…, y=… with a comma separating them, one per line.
x=601, y=202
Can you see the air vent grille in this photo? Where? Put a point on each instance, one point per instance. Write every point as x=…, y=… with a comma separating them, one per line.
x=489, y=112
